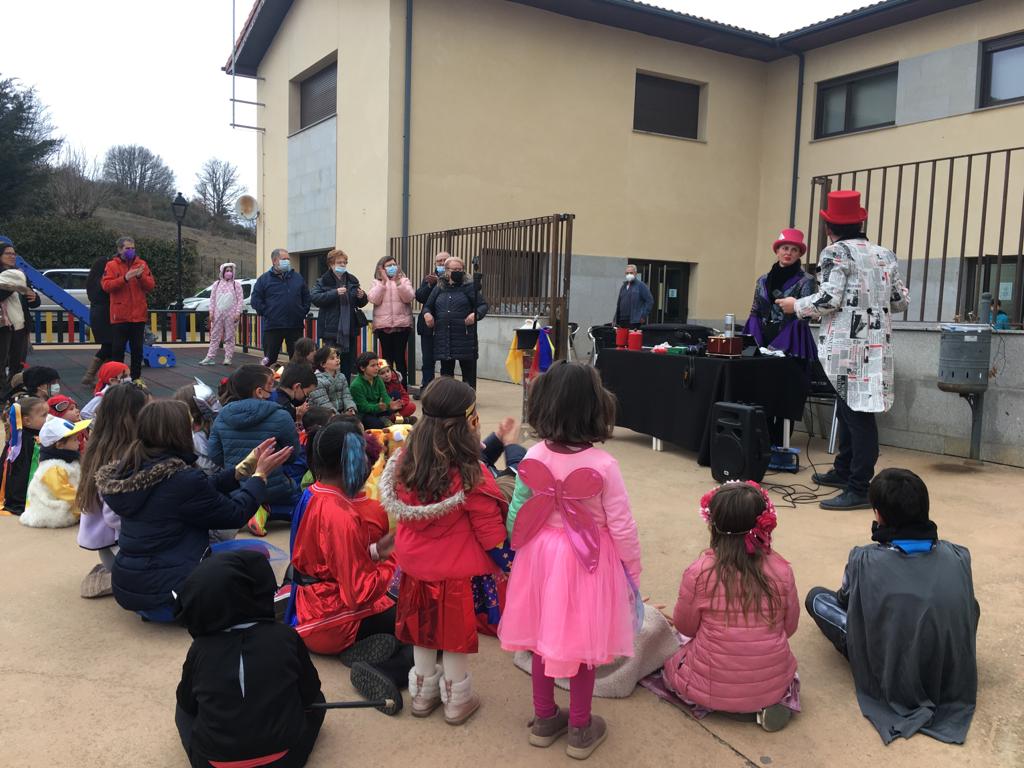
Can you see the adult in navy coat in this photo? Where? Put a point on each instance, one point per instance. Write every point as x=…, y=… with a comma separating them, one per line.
x=281, y=298
x=168, y=506
x=453, y=310
x=635, y=301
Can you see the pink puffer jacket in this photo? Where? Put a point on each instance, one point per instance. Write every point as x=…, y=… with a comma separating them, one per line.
x=734, y=663
x=392, y=303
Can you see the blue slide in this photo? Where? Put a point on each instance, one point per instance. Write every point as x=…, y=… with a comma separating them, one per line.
x=155, y=357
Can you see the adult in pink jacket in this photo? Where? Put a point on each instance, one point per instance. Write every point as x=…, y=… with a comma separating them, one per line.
x=391, y=296
x=226, y=303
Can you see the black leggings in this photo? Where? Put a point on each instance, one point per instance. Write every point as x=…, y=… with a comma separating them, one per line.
x=394, y=348
x=468, y=368
x=397, y=667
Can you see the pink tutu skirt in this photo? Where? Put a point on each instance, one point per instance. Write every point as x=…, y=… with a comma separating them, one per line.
x=558, y=610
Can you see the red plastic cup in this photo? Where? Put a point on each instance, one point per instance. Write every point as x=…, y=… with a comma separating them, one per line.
x=635, y=341
x=621, y=336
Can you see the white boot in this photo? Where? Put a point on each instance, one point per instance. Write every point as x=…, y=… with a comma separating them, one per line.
x=459, y=701
x=425, y=691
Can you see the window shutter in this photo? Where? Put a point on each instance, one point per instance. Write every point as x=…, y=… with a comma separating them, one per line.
x=318, y=96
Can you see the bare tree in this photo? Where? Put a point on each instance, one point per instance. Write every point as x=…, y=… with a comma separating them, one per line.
x=217, y=187
x=76, y=185
x=136, y=168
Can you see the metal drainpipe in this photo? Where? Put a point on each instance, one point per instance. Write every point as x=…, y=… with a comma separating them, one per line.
x=406, y=141
x=796, y=139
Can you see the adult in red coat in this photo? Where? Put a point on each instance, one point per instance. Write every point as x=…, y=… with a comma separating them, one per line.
x=127, y=279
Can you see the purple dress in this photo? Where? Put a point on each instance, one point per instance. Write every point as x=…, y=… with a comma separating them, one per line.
x=772, y=328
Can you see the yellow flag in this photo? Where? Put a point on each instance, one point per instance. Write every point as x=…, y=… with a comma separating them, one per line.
x=514, y=362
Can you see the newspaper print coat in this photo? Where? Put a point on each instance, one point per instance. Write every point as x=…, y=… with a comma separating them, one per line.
x=860, y=286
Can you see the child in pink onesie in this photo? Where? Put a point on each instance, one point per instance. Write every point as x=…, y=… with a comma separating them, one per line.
x=570, y=594
x=225, y=309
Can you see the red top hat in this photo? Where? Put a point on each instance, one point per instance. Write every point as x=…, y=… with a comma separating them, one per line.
x=844, y=208
x=791, y=237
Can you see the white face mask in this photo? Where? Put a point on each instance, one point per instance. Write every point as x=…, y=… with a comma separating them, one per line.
x=284, y=265
x=630, y=277
x=54, y=389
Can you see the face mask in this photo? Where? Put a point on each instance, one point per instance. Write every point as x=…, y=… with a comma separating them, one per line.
x=54, y=389
x=458, y=276
x=439, y=270
x=129, y=254
x=284, y=265
x=229, y=275
x=630, y=278
x=391, y=271
x=341, y=270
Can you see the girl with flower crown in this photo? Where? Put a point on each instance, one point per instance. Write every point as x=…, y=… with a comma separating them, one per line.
x=737, y=608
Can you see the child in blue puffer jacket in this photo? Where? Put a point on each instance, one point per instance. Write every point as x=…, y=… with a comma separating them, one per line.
x=247, y=418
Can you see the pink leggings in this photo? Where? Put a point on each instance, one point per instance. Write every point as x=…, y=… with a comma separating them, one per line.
x=581, y=691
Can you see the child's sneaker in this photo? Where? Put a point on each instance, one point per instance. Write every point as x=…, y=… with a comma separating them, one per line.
x=374, y=685
x=460, y=702
x=97, y=583
x=207, y=361
x=227, y=361
x=545, y=731
x=774, y=718
x=425, y=692
x=371, y=650
x=258, y=523
x=583, y=741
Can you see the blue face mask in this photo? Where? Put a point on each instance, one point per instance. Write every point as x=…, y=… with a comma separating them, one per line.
x=341, y=270
x=284, y=265
x=439, y=270
x=391, y=271
x=129, y=254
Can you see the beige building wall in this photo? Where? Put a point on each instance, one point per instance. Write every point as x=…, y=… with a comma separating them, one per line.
x=519, y=113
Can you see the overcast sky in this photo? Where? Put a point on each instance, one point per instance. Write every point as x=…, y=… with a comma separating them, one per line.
x=149, y=72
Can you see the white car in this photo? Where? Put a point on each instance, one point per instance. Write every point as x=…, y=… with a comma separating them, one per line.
x=73, y=281
x=201, y=301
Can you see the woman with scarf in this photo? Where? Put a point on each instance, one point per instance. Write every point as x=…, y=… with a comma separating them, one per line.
x=340, y=299
x=16, y=299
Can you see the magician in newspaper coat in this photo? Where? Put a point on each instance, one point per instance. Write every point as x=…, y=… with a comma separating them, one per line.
x=860, y=288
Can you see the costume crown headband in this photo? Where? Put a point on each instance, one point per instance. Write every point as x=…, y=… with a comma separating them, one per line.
x=757, y=538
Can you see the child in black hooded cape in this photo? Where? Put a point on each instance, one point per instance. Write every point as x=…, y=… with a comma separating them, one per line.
x=247, y=682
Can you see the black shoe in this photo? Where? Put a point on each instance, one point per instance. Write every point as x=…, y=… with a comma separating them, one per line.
x=847, y=500
x=373, y=650
x=374, y=685
x=831, y=478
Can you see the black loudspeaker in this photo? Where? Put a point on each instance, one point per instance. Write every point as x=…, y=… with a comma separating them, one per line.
x=740, y=447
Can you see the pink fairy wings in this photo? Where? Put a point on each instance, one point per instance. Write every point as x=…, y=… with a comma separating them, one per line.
x=548, y=494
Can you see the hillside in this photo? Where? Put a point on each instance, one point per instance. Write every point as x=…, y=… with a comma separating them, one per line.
x=213, y=249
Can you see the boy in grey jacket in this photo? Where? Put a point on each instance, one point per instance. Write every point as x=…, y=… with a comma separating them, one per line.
x=332, y=387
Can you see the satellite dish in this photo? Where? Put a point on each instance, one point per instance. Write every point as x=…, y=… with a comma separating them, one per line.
x=246, y=207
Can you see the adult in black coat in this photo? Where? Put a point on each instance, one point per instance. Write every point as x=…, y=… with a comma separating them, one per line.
x=247, y=683
x=429, y=362
x=340, y=299
x=453, y=309
x=99, y=317
x=14, y=340
x=168, y=506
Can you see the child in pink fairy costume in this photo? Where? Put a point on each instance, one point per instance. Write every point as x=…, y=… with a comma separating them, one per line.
x=225, y=308
x=737, y=608
x=570, y=595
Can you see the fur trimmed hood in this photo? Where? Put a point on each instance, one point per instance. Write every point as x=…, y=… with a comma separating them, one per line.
x=408, y=512
x=125, y=494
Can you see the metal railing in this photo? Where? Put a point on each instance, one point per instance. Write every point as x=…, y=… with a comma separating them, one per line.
x=170, y=327
x=955, y=223
x=523, y=266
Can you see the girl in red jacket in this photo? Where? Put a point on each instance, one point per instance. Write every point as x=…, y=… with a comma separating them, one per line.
x=449, y=515
x=737, y=609
x=396, y=391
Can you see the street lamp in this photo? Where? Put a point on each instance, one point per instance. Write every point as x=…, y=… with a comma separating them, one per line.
x=179, y=206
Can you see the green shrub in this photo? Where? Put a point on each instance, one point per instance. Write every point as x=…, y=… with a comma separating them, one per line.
x=47, y=242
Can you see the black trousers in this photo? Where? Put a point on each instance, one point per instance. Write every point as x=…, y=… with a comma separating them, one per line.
x=272, y=339
x=104, y=353
x=824, y=608
x=132, y=334
x=428, y=364
x=393, y=348
x=467, y=368
x=373, y=420
x=397, y=667
x=7, y=334
x=297, y=754
x=858, y=447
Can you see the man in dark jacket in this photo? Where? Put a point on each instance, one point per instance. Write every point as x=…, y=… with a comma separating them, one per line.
x=906, y=619
x=99, y=318
x=454, y=307
x=341, y=301
x=427, y=334
x=281, y=298
x=635, y=301
x=247, y=684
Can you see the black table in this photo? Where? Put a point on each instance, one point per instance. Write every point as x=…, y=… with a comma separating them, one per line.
x=670, y=397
